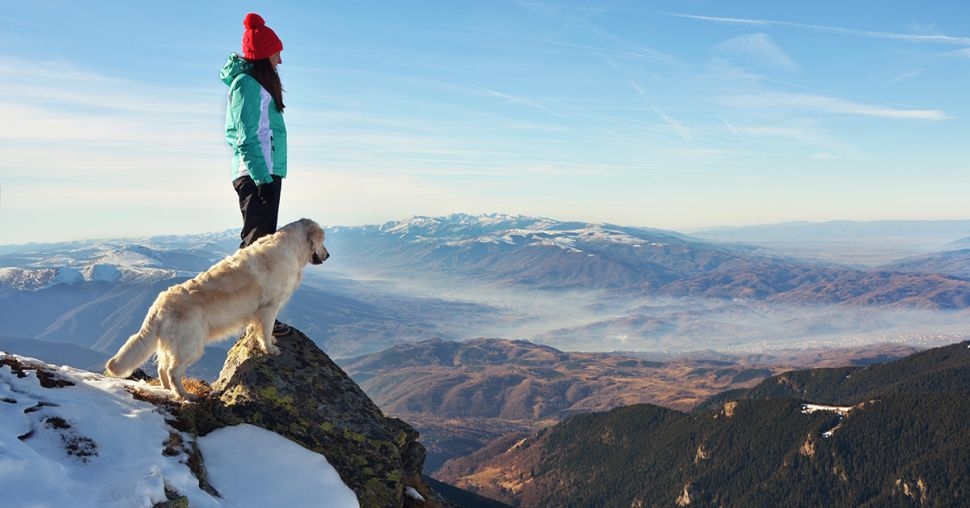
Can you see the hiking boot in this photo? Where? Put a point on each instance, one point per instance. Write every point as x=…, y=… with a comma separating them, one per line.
x=280, y=329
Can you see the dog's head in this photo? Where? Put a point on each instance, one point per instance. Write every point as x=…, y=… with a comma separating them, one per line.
x=315, y=237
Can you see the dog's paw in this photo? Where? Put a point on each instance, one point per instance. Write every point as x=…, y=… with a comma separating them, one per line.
x=187, y=398
x=272, y=349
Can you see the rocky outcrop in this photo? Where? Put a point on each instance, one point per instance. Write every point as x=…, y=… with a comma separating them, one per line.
x=304, y=396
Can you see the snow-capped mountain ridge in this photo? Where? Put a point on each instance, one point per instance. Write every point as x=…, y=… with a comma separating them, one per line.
x=153, y=258
x=419, y=227
x=459, y=230
x=40, y=278
x=144, y=260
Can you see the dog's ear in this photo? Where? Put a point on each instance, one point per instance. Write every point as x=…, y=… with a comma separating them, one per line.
x=314, y=233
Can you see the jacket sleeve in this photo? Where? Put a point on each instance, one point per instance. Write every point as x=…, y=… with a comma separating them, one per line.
x=244, y=115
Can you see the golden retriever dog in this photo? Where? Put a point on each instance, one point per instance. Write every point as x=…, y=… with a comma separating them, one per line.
x=248, y=287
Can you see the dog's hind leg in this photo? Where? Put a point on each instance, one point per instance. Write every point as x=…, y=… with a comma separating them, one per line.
x=176, y=374
x=185, y=356
x=164, y=367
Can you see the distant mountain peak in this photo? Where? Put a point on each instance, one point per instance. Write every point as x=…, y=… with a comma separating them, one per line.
x=463, y=229
x=457, y=223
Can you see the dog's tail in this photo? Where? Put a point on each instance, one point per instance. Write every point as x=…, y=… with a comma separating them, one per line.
x=136, y=351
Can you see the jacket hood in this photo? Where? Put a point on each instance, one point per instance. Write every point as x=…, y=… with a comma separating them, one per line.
x=235, y=66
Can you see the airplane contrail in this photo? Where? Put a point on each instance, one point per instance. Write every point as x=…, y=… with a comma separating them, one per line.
x=735, y=131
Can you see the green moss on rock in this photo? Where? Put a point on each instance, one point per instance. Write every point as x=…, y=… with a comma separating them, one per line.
x=303, y=395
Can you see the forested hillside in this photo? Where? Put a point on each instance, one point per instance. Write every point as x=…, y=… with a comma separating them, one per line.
x=893, y=434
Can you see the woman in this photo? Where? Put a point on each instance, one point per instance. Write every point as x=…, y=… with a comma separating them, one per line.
x=255, y=130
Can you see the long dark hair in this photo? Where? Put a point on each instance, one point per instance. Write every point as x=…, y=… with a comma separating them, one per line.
x=266, y=75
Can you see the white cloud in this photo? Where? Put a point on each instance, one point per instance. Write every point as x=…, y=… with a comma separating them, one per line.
x=60, y=85
x=735, y=131
x=678, y=127
x=780, y=101
x=800, y=134
x=521, y=100
x=905, y=76
x=927, y=38
x=57, y=102
x=921, y=27
x=760, y=49
x=636, y=86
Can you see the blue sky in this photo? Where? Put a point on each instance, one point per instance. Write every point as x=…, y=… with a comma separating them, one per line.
x=668, y=114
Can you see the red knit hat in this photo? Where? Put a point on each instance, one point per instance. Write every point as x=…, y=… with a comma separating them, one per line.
x=259, y=41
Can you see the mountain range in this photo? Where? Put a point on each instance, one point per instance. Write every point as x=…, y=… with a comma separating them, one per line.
x=572, y=285
x=865, y=243
x=955, y=263
x=547, y=254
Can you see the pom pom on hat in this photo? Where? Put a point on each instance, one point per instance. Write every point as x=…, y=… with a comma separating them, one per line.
x=253, y=20
x=259, y=41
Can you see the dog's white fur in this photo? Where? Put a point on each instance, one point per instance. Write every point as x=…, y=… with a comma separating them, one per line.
x=246, y=288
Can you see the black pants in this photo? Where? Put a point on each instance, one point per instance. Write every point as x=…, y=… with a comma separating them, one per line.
x=260, y=207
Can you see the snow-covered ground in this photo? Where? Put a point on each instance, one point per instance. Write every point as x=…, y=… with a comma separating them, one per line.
x=811, y=408
x=843, y=411
x=93, y=445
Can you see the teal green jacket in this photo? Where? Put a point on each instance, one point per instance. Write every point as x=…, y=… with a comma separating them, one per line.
x=254, y=127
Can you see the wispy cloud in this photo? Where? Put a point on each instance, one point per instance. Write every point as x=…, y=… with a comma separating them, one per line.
x=905, y=76
x=61, y=86
x=760, y=48
x=922, y=38
x=678, y=127
x=735, y=131
x=521, y=100
x=820, y=103
x=570, y=48
x=965, y=52
x=790, y=134
x=56, y=102
x=569, y=21
x=639, y=89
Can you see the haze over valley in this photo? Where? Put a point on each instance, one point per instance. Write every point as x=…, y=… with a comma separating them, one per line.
x=573, y=286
